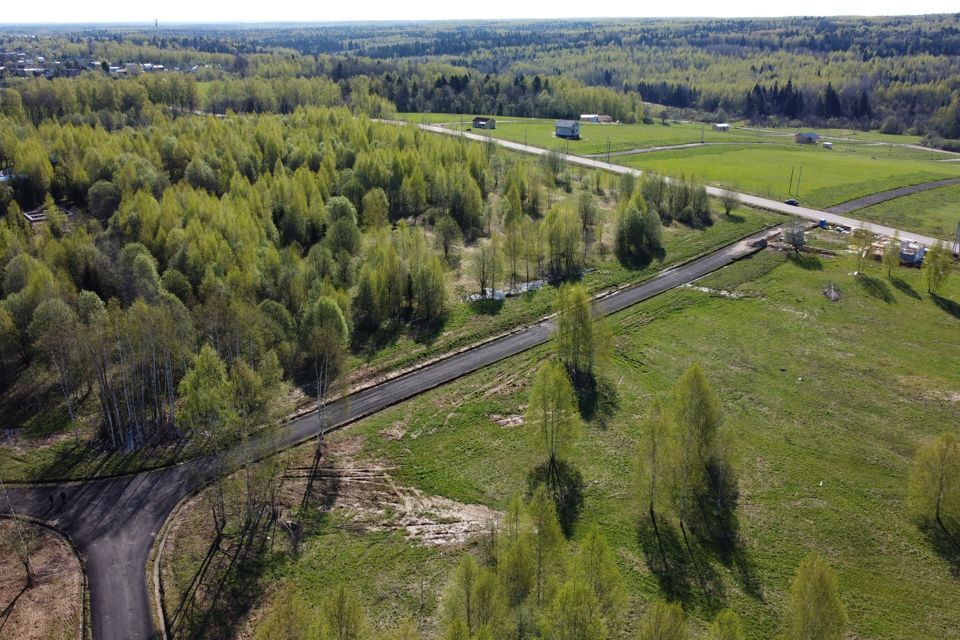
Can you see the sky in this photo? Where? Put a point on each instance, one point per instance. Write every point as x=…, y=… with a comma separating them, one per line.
x=230, y=11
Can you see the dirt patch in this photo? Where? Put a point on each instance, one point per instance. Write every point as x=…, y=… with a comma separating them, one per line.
x=366, y=497
x=507, y=421
x=723, y=293
x=52, y=607
x=395, y=431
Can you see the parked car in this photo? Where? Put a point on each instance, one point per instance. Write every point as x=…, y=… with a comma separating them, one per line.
x=792, y=202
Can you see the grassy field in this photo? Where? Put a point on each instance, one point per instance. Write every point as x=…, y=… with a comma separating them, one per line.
x=594, y=137
x=829, y=177
x=825, y=402
x=935, y=213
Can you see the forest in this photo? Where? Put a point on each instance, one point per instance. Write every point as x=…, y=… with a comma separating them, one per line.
x=894, y=74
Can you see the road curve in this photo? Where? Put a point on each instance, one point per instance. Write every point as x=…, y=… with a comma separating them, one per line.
x=114, y=521
x=747, y=199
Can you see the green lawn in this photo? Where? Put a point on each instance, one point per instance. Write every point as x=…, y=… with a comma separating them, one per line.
x=825, y=403
x=934, y=213
x=829, y=177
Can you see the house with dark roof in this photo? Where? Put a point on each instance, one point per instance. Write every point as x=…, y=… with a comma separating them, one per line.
x=569, y=129
x=807, y=138
x=484, y=123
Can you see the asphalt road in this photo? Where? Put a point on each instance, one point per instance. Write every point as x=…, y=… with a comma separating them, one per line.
x=883, y=196
x=114, y=522
x=814, y=215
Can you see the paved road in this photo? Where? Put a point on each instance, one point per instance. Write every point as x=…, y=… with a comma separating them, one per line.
x=883, y=196
x=753, y=201
x=114, y=522
x=669, y=147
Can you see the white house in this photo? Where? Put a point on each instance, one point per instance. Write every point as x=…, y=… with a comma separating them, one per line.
x=484, y=123
x=721, y=126
x=569, y=129
x=590, y=117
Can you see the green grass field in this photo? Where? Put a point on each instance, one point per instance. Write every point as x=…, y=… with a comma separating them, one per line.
x=829, y=177
x=935, y=213
x=825, y=402
x=594, y=137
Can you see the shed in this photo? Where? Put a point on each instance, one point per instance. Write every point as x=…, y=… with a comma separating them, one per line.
x=569, y=129
x=721, y=126
x=828, y=145
x=589, y=117
x=481, y=122
x=808, y=137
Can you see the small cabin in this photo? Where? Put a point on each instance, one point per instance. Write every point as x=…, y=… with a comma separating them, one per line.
x=827, y=145
x=806, y=138
x=484, y=123
x=569, y=129
x=721, y=126
x=590, y=117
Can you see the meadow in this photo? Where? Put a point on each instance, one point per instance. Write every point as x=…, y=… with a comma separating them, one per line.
x=935, y=213
x=829, y=176
x=825, y=404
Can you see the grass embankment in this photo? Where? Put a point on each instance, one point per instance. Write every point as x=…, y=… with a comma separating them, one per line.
x=53, y=606
x=825, y=402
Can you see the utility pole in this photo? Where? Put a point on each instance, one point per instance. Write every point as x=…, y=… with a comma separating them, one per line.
x=608, y=150
x=798, y=181
x=23, y=544
x=790, y=188
x=701, y=133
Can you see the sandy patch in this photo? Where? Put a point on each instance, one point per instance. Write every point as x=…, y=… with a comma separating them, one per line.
x=52, y=607
x=366, y=496
x=395, y=431
x=507, y=421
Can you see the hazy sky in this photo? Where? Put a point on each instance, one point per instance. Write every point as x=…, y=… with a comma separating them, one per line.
x=20, y=11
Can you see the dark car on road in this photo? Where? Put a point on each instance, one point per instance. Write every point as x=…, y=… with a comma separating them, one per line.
x=792, y=201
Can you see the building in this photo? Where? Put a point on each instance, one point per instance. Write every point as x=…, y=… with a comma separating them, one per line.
x=569, y=129
x=806, y=138
x=484, y=123
x=721, y=126
x=828, y=145
x=590, y=117
x=606, y=119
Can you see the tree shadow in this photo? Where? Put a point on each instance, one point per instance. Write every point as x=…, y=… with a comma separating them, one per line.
x=596, y=397
x=565, y=486
x=947, y=305
x=486, y=306
x=734, y=217
x=683, y=573
x=640, y=260
x=426, y=332
x=717, y=526
x=808, y=262
x=946, y=545
x=904, y=287
x=876, y=288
